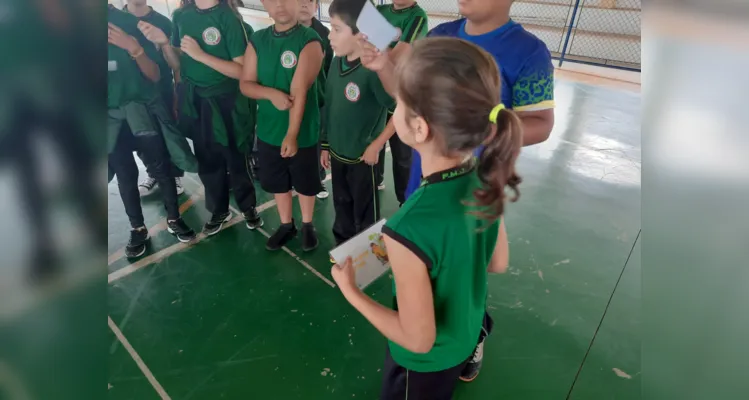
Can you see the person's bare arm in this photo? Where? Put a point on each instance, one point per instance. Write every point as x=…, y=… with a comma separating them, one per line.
x=171, y=55
x=117, y=37
x=249, y=86
x=413, y=326
x=148, y=67
x=537, y=125
x=501, y=257
x=310, y=63
x=160, y=39
x=230, y=68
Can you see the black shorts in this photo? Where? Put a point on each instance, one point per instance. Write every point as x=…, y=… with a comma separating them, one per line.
x=399, y=383
x=279, y=175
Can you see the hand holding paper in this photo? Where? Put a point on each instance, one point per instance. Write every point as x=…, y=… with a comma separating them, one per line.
x=376, y=28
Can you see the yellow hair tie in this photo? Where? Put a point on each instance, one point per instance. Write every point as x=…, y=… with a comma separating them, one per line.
x=495, y=112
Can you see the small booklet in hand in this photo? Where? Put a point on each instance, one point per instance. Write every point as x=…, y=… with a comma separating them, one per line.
x=367, y=249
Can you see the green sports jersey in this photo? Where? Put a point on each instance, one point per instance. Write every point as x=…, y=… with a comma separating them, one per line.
x=435, y=223
x=357, y=109
x=277, y=59
x=220, y=33
x=412, y=21
x=125, y=81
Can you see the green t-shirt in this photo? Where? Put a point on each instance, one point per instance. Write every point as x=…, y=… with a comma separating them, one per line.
x=125, y=82
x=357, y=107
x=412, y=21
x=436, y=224
x=220, y=33
x=166, y=83
x=277, y=59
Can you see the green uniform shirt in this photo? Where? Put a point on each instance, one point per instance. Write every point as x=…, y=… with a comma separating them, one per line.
x=220, y=33
x=357, y=107
x=324, y=33
x=277, y=59
x=166, y=83
x=435, y=223
x=125, y=82
x=412, y=21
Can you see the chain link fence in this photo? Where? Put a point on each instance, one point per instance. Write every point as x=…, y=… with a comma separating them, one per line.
x=598, y=32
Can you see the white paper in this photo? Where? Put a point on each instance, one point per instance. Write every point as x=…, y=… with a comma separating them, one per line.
x=368, y=252
x=373, y=24
x=112, y=66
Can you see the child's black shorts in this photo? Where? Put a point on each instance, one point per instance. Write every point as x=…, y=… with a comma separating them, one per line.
x=280, y=175
x=399, y=383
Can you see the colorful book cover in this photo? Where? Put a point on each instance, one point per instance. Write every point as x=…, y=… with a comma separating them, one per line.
x=367, y=249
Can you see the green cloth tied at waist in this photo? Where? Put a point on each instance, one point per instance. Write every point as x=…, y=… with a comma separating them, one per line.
x=151, y=117
x=243, y=113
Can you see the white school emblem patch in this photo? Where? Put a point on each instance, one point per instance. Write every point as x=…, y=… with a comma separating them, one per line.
x=288, y=59
x=211, y=36
x=353, y=92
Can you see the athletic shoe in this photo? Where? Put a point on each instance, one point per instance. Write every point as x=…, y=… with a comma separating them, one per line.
x=216, y=223
x=471, y=370
x=323, y=194
x=180, y=229
x=281, y=236
x=381, y=186
x=180, y=188
x=309, y=237
x=252, y=219
x=136, y=246
x=147, y=186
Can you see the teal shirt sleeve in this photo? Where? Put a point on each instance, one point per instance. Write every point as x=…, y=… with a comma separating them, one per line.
x=234, y=33
x=175, y=29
x=534, y=87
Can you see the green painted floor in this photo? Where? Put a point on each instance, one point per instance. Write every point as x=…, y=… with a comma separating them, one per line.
x=225, y=319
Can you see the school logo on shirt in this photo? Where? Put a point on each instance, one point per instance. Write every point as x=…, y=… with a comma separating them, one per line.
x=353, y=92
x=211, y=36
x=288, y=59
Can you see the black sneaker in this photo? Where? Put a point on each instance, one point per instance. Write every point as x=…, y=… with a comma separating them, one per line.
x=309, y=237
x=136, y=246
x=282, y=236
x=216, y=223
x=471, y=370
x=252, y=219
x=180, y=229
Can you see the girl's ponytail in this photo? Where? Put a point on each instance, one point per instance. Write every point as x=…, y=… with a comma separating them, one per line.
x=496, y=165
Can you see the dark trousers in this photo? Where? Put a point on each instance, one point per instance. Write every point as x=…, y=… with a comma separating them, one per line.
x=401, y=154
x=399, y=383
x=355, y=198
x=156, y=157
x=174, y=171
x=214, y=160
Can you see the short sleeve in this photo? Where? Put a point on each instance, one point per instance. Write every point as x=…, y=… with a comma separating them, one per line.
x=175, y=29
x=533, y=89
x=416, y=28
x=234, y=33
x=383, y=97
x=402, y=228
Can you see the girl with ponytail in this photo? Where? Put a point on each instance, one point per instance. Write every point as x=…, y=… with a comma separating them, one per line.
x=449, y=233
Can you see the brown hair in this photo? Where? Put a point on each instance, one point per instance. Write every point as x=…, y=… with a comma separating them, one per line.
x=454, y=85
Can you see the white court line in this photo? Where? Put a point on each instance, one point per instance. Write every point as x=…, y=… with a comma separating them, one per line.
x=147, y=372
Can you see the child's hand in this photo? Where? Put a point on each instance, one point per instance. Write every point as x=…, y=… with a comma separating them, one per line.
x=191, y=47
x=289, y=147
x=344, y=276
x=325, y=159
x=153, y=34
x=281, y=100
x=371, y=57
x=119, y=38
x=372, y=155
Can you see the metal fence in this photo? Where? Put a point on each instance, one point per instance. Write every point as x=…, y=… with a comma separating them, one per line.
x=597, y=32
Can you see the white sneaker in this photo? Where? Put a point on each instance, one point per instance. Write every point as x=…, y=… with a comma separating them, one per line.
x=180, y=188
x=147, y=186
x=323, y=194
x=381, y=186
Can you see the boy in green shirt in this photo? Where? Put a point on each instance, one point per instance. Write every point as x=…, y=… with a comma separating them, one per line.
x=357, y=108
x=207, y=47
x=281, y=67
x=133, y=107
x=144, y=12
x=412, y=21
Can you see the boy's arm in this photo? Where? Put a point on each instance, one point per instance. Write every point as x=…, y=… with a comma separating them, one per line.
x=501, y=257
x=248, y=84
x=533, y=97
x=310, y=63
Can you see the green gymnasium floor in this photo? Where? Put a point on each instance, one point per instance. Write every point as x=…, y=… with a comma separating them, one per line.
x=225, y=319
